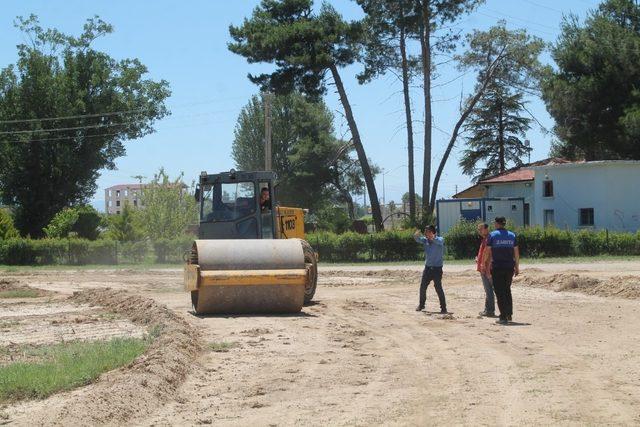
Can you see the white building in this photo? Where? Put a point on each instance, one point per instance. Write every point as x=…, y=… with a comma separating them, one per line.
x=602, y=194
x=116, y=196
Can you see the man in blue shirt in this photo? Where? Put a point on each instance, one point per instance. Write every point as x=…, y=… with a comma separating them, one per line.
x=505, y=263
x=433, y=254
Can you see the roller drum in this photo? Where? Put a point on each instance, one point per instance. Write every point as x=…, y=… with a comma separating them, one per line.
x=275, y=279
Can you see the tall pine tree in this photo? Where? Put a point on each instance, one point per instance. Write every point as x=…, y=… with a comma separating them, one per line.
x=497, y=129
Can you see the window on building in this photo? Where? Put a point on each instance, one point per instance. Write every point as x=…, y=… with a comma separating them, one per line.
x=514, y=207
x=586, y=217
x=117, y=193
x=135, y=202
x=117, y=202
x=490, y=208
x=117, y=212
x=549, y=218
x=547, y=189
x=126, y=193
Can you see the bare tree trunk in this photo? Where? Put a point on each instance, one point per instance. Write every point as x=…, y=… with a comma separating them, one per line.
x=357, y=143
x=425, y=45
x=454, y=135
x=407, y=109
x=501, y=137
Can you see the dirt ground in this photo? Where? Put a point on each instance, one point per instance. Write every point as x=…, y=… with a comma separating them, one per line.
x=361, y=354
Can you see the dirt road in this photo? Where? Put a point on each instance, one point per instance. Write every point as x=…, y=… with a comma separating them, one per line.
x=362, y=355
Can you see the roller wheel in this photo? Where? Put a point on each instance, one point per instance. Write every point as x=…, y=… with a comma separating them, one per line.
x=194, y=299
x=312, y=264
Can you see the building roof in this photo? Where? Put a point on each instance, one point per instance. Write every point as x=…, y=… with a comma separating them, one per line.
x=590, y=164
x=518, y=174
x=118, y=186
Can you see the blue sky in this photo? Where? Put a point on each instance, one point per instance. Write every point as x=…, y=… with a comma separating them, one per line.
x=185, y=44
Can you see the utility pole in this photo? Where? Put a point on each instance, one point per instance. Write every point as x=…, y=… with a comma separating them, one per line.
x=266, y=100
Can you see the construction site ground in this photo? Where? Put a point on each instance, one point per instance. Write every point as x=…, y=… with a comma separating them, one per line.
x=359, y=355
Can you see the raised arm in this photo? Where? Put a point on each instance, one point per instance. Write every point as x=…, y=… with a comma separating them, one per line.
x=418, y=237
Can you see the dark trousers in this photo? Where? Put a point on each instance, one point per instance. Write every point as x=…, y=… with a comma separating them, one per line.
x=435, y=274
x=502, y=279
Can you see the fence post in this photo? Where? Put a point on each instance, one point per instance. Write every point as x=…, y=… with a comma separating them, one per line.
x=115, y=244
x=371, y=247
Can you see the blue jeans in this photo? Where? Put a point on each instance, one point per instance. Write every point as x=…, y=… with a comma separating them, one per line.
x=489, y=301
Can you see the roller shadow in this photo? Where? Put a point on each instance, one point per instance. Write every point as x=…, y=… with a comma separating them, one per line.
x=301, y=314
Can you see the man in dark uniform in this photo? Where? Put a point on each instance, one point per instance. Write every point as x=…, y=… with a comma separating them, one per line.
x=505, y=263
x=433, y=254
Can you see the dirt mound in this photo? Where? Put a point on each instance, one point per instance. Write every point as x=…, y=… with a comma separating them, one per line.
x=135, y=389
x=7, y=285
x=619, y=286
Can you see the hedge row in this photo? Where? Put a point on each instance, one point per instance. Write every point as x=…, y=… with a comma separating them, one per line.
x=462, y=242
x=535, y=242
x=82, y=251
x=354, y=247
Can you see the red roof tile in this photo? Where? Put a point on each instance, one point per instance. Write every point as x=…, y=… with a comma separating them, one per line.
x=518, y=175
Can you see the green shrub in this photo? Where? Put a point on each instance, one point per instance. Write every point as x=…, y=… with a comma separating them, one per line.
x=395, y=246
x=590, y=242
x=462, y=240
x=172, y=250
x=61, y=224
x=623, y=244
x=50, y=251
x=134, y=251
x=82, y=251
x=88, y=222
x=7, y=228
x=17, y=252
x=537, y=242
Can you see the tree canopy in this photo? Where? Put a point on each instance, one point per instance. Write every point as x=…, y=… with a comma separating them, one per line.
x=66, y=110
x=594, y=95
x=497, y=130
x=314, y=168
x=305, y=46
x=303, y=146
x=169, y=209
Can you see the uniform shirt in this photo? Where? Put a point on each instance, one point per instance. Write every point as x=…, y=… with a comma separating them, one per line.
x=502, y=243
x=433, y=251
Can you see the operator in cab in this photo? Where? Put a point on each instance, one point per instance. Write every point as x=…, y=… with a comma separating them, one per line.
x=265, y=200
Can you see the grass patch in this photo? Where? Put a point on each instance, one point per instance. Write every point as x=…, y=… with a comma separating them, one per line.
x=221, y=347
x=65, y=366
x=19, y=293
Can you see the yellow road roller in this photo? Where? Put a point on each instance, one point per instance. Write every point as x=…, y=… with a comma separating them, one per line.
x=250, y=255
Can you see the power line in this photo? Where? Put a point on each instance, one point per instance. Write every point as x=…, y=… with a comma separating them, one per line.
x=544, y=6
x=110, y=113
x=105, y=125
x=521, y=19
x=102, y=135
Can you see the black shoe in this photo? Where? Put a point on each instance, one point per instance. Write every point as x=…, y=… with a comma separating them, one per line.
x=444, y=311
x=502, y=322
x=419, y=308
x=509, y=318
x=486, y=314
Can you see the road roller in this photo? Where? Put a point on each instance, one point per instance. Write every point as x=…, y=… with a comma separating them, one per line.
x=250, y=255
